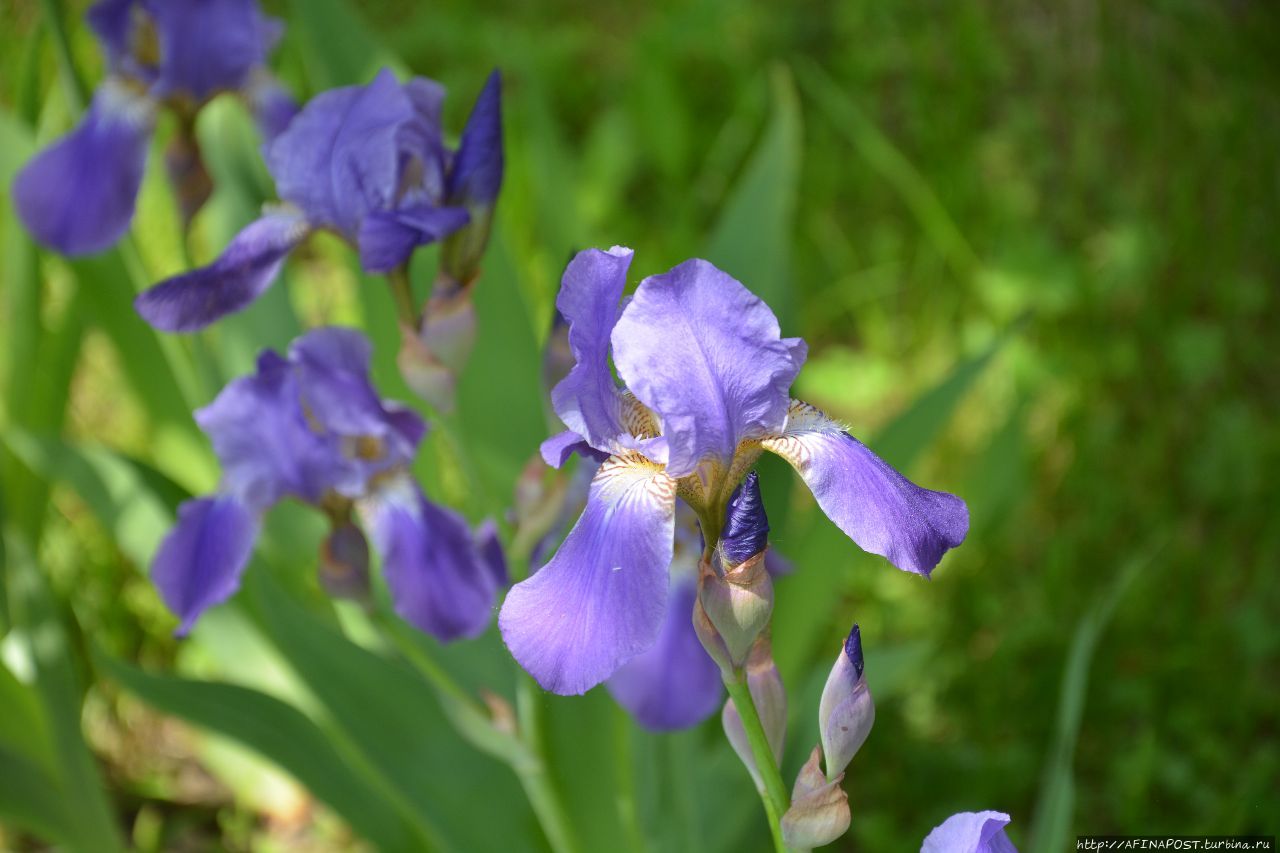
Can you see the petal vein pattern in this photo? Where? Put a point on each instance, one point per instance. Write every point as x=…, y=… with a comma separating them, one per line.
x=600, y=601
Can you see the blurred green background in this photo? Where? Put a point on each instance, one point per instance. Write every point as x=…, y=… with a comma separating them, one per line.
x=1033, y=248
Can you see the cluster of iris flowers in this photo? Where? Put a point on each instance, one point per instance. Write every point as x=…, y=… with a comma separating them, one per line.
x=662, y=588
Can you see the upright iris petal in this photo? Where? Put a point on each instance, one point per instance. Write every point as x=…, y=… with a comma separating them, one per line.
x=706, y=355
x=602, y=598
x=970, y=832
x=439, y=579
x=875, y=506
x=674, y=684
x=78, y=195
x=201, y=559
x=208, y=46
x=245, y=269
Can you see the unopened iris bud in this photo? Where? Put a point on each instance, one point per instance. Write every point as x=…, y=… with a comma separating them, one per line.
x=473, y=182
x=344, y=562
x=819, y=812
x=432, y=357
x=846, y=711
x=770, y=698
x=737, y=601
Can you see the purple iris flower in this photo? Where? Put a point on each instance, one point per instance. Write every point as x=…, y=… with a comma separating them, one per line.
x=366, y=162
x=77, y=196
x=311, y=426
x=707, y=376
x=970, y=832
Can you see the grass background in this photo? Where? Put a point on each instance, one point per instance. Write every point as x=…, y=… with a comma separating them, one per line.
x=1033, y=249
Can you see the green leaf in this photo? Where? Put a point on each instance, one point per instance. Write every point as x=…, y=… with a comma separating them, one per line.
x=753, y=237
x=392, y=718
x=1055, y=806
x=40, y=642
x=338, y=48
x=284, y=735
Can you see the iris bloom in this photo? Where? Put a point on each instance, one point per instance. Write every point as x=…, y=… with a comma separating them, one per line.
x=78, y=195
x=707, y=375
x=311, y=426
x=366, y=162
x=970, y=832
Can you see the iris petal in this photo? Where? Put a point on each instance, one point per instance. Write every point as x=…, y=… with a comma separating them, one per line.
x=878, y=508
x=244, y=270
x=970, y=832
x=601, y=599
x=201, y=559
x=438, y=578
x=705, y=355
x=77, y=196
x=675, y=684
x=388, y=237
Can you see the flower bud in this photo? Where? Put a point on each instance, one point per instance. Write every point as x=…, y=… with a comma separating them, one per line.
x=344, y=562
x=846, y=712
x=432, y=357
x=737, y=603
x=770, y=699
x=473, y=182
x=819, y=812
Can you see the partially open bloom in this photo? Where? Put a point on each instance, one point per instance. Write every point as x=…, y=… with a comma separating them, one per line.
x=707, y=376
x=366, y=162
x=77, y=196
x=970, y=832
x=311, y=427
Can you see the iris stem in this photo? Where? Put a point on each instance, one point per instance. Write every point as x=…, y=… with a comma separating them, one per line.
x=402, y=293
x=538, y=786
x=774, y=795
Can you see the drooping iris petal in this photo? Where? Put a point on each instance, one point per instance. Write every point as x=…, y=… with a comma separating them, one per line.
x=601, y=599
x=438, y=579
x=476, y=175
x=675, y=684
x=201, y=559
x=878, y=508
x=588, y=399
x=209, y=46
x=388, y=237
x=340, y=157
x=704, y=353
x=970, y=832
x=77, y=196
x=244, y=270
x=264, y=443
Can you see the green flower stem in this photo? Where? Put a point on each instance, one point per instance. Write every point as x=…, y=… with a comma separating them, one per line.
x=774, y=796
x=520, y=749
x=402, y=293
x=538, y=786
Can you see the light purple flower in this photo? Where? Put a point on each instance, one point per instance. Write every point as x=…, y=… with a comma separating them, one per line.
x=78, y=195
x=706, y=376
x=970, y=832
x=367, y=162
x=310, y=426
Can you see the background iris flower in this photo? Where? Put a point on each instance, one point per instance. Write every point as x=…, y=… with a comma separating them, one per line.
x=311, y=426
x=78, y=195
x=706, y=376
x=367, y=162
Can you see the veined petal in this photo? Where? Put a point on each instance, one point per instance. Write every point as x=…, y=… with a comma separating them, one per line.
x=600, y=600
x=706, y=355
x=476, y=174
x=245, y=269
x=970, y=832
x=588, y=400
x=200, y=561
x=675, y=684
x=878, y=508
x=438, y=579
x=340, y=157
x=388, y=237
x=77, y=196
